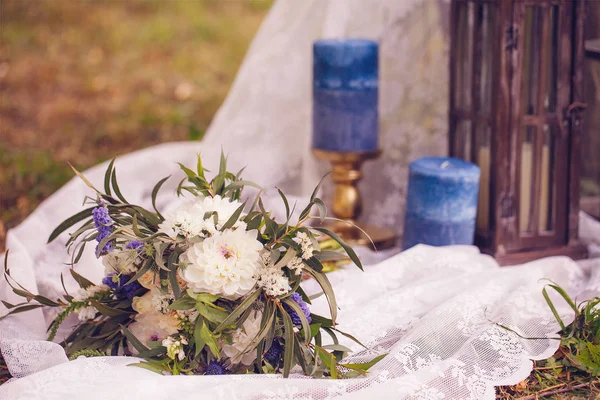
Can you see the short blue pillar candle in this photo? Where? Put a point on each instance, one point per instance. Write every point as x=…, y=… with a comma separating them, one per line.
x=441, y=204
x=345, y=95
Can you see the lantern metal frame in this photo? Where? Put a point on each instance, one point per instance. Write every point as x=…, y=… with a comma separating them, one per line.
x=500, y=119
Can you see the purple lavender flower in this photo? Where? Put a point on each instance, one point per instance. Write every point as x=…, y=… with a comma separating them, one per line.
x=135, y=245
x=103, y=223
x=215, y=368
x=303, y=305
x=122, y=290
x=273, y=355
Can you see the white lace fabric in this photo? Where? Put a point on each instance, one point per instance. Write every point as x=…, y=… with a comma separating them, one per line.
x=431, y=310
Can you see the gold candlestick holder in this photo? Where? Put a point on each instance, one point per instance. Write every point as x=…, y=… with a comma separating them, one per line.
x=347, y=202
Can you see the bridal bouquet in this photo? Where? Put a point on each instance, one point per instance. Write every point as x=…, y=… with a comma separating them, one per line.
x=212, y=287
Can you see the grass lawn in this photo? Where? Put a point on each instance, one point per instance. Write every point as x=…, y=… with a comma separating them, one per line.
x=84, y=81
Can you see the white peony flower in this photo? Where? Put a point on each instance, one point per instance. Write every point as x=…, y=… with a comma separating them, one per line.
x=224, y=264
x=86, y=313
x=188, y=219
x=238, y=351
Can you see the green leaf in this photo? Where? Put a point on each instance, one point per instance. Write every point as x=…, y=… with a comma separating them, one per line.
x=234, y=217
x=9, y=305
x=266, y=326
x=305, y=325
x=83, y=282
x=313, y=196
x=21, y=309
x=133, y=340
x=46, y=301
x=211, y=313
x=107, y=176
x=210, y=341
x=314, y=263
x=349, y=336
x=173, y=272
x=151, y=367
x=325, y=322
x=84, y=179
x=323, y=281
x=106, y=310
x=200, y=343
x=69, y=222
x=553, y=309
x=153, y=352
x=288, y=350
x=190, y=174
x=203, y=297
x=329, y=361
x=289, y=255
x=240, y=184
x=255, y=223
x=337, y=347
x=304, y=214
x=145, y=268
x=199, y=167
x=155, y=193
x=344, y=245
x=565, y=296
x=367, y=365
x=247, y=302
x=285, y=202
x=314, y=329
x=183, y=303
x=330, y=255
x=322, y=209
x=115, y=186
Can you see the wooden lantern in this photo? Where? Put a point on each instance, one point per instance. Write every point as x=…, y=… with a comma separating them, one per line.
x=515, y=110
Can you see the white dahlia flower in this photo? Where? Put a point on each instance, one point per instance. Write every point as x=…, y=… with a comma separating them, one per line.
x=188, y=219
x=224, y=264
x=238, y=351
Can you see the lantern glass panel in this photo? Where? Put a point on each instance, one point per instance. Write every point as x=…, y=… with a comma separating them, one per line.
x=484, y=157
x=527, y=187
x=546, y=206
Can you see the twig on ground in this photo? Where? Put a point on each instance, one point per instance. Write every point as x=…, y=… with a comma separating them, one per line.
x=547, y=392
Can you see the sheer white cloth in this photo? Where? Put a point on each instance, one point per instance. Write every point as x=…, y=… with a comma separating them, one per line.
x=431, y=309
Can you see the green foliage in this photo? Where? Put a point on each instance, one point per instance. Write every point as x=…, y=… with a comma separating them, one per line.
x=576, y=365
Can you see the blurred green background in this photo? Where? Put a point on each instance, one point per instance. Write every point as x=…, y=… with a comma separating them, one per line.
x=86, y=80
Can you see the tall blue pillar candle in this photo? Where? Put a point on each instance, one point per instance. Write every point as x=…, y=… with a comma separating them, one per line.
x=345, y=114
x=441, y=204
